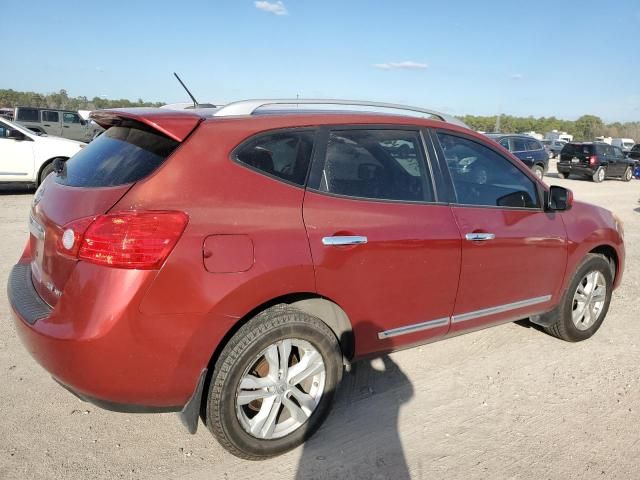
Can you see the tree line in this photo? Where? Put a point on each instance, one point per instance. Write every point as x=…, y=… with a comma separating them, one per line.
x=585, y=128
x=61, y=99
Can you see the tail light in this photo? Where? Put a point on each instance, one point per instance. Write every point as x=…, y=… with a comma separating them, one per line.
x=141, y=240
x=593, y=159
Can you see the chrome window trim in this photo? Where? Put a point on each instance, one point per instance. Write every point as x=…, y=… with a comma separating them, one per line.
x=464, y=317
x=416, y=327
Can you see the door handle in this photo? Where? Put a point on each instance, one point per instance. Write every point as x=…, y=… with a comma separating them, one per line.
x=479, y=237
x=46, y=124
x=344, y=240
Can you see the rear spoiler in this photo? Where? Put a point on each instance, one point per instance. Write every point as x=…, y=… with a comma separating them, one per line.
x=174, y=124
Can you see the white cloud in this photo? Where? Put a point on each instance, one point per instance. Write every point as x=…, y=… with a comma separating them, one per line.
x=517, y=76
x=406, y=65
x=277, y=8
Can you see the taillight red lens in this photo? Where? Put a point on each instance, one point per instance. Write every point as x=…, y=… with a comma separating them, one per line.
x=593, y=159
x=141, y=240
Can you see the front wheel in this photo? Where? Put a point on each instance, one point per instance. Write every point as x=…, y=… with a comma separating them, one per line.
x=586, y=301
x=628, y=175
x=273, y=383
x=46, y=171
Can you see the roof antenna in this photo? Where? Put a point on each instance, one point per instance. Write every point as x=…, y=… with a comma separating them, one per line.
x=195, y=102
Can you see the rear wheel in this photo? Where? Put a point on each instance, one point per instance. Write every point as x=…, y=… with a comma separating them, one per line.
x=273, y=384
x=586, y=301
x=46, y=171
x=563, y=175
x=628, y=174
x=599, y=175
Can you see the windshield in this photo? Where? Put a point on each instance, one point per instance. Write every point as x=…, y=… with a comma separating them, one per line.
x=15, y=126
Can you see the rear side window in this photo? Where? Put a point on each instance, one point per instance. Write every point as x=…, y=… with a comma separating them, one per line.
x=285, y=155
x=28, y=115
x=519, y=145
x=533, y=145
x=123, y=154
x=376, y=164
x=50, y=116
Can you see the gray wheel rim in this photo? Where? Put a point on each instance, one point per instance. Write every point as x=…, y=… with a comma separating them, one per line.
x=538, y=173
x=601, y=174
x=628, y=174
x=588, y=300
x=279, y=402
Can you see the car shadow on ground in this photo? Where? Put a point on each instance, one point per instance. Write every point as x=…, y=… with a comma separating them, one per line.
x=16, y=189
x=637, y=210
x=360, y=439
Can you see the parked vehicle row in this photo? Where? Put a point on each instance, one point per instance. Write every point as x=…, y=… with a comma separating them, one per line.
x=61, y=123
x=529, y=150
x=229, y=265
x=595, y=160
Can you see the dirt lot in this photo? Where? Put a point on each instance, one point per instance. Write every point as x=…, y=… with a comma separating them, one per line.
x=509, y=402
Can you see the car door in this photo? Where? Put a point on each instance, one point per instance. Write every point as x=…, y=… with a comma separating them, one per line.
x=618, y=163
x=72, y=127
x=384, y=247
x=16, y=156
x=51, y=122
x=513, y=252
x=519, y=149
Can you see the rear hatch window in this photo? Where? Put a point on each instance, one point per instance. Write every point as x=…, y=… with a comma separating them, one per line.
x=122, y=155
x=576, y=150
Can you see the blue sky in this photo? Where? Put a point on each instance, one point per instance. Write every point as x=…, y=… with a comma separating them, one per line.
x=562, y=58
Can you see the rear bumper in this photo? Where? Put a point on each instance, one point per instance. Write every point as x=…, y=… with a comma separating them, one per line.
x=575, y=169
x=97, y=343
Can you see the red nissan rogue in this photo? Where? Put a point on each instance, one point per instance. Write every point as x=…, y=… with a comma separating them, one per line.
x=228, y=264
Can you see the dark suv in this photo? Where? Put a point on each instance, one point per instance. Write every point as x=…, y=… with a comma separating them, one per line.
x=528, y=149
x=227, y=266
x=594, y=160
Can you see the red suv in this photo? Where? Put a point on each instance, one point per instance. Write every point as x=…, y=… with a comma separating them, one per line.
x=228, y=265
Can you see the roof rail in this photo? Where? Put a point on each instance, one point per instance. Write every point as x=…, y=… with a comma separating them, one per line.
x=249, y=107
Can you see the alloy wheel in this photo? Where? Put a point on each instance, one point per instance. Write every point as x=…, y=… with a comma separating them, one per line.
x=588, y=300
x=280, y=389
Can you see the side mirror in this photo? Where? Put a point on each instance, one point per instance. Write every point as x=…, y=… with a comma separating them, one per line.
x=559, y=199
x=83, y=123
x=16, y=135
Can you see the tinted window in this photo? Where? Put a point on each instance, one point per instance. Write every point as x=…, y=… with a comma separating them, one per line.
x=505, y=143
x=377, y=164
x=70, y=118
x=519, y=144
x=28, y=115
x=285, y=155
x=50, y=116
x=4, y=130
x=483, y=177
x=576, y=149
x=121, y=155
x=533, y=145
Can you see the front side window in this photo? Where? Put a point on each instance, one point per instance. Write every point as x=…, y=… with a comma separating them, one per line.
x=376, y=164
x=285, y=155
x=28, y=115
x=505, y=143
x=48, y=116
x=483, y=177
x=70, y=118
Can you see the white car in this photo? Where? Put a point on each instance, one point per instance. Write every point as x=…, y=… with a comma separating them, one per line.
x=28, y=157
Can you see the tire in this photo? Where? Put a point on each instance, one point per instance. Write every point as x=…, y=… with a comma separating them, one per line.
x=599, y=175
x=46, y=171
x=538, y=171
x=563, y=175
x=628, y=175
x=563, y=325
x=246, y=357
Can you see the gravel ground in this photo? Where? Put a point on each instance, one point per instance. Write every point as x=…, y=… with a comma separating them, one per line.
x=508, y=402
